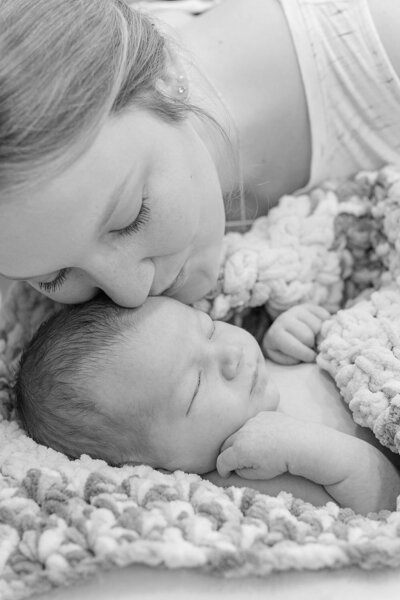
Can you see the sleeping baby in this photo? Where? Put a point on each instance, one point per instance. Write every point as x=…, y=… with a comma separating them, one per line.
x=164, y=385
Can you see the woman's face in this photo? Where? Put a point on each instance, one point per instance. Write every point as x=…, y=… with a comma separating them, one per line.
x=140, y=213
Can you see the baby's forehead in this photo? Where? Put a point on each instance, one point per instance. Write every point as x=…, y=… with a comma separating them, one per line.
x=160, y=327
x=164, y=311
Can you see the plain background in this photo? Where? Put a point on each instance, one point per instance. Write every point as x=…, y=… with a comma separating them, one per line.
x=157, y=584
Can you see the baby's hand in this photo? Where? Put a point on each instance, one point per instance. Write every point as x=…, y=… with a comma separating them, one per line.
x=291, y=337
x=258, y=449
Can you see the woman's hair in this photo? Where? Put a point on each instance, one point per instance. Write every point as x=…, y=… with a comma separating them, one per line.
x=65, y=66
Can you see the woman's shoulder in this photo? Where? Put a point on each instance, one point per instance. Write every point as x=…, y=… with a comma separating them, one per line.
x=231, y=22
x=386, y=16
x=245, y=50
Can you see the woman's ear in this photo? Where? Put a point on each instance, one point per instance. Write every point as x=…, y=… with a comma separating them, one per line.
x=175, y=86
x=174, y=83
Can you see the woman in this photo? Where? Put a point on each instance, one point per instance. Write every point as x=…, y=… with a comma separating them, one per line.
x=118, y=145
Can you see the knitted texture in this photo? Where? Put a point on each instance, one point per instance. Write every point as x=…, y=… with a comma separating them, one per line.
x=324, y=247
x=61, y=520
x=336, y=244
x=361, y=350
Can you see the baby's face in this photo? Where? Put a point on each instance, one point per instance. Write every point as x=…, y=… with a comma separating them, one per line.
x=200, y=380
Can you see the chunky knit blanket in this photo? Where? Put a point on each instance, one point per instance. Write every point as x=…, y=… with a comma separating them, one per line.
x=336, y=246
x=62, y=520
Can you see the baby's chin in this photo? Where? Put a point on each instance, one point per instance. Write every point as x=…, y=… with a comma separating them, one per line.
x=266, y=394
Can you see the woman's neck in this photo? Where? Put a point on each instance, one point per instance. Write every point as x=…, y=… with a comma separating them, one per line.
x=254, y=70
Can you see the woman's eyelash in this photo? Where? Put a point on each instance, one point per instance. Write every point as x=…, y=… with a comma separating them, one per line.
x=52, y=286
x=141, y=220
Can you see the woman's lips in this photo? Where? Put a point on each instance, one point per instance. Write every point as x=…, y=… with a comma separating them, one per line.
x=176, y=284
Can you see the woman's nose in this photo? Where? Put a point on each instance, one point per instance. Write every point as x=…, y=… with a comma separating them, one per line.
x=127, y=285
x=229, y=359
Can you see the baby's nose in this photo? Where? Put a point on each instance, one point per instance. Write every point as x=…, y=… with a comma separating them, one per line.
x=230, y=360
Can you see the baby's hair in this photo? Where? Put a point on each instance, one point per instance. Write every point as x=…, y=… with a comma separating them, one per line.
x=65, y=67
x=58, y=381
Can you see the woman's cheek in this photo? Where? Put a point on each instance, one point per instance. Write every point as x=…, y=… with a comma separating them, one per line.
x=173, y=228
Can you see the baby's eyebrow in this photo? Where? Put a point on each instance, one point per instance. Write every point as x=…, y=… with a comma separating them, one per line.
x=201, y=316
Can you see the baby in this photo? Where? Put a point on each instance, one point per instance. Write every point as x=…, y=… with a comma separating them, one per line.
x=165, y=385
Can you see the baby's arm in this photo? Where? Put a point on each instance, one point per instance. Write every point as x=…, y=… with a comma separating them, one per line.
x=291, y=337
x=353, y=472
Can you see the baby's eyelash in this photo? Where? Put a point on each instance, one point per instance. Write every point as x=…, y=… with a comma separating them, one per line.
x=196, y=391
x=52, y=286
x=141, y=220
x=212, y=330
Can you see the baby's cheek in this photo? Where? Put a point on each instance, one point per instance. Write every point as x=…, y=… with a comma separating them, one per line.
x=202, y=459
x=210, y=464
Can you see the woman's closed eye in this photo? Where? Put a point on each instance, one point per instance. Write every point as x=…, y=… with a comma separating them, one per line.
x=196, y=391
x=139, y=222
x=52, y=286
x=142, y=218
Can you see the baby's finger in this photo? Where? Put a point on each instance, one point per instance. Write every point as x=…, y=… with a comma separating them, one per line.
x=312, y=322
x=297, y=349
x=279, y=357
x=227, y=462
x=229, y=441
x=301, y=331
x=319, y=311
